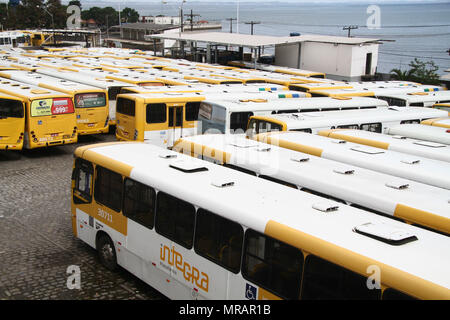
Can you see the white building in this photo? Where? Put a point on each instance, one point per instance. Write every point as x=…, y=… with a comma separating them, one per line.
x=160, y=20
x=339, y=58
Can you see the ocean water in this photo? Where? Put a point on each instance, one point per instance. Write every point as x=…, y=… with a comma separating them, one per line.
x=411, y=30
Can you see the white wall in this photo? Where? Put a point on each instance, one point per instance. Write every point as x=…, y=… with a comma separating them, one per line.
x=287, y=55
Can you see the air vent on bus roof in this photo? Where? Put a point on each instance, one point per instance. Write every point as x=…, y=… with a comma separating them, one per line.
x=410, y=160
x=188, y=166
x=299, y=158
x=344, y=170
x=337, y=141
x=429, y=144
x=386, y=233
x=399, y=185
x=325, y=206
x=168, y=155
x=222, y=182
x=399, y=137
x=244, y=143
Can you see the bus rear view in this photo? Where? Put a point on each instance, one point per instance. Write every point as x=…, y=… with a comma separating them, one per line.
x=12, y=122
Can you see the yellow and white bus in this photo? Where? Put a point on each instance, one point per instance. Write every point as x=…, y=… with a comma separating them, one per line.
x=422, y=132
x=387, y=94
x=397, y=164
x=307, y=87
x=438, y=122
x=212, y=88
x=91, y=103
x=138, y=79
x=156, y=132
x=374, y=120
x=50, y=118
x=410, y=201
x=112, y=87
x=12, y=122
x=232, y=115
x=426, y=149
x=195, y=230
x=158, y=119
x=443, y=106
x=417, y=99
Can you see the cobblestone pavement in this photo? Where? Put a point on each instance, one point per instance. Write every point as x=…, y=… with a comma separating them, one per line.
x=36, y=240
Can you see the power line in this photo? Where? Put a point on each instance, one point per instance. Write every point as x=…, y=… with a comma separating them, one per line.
x=411, y=56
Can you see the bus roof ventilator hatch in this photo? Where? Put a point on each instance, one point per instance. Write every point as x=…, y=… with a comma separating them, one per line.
x=386, y=233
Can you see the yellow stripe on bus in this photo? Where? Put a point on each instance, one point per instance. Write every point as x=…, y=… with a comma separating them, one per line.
x=266, y=138
x=368, y=142
x=422, y=218
x=390, y=276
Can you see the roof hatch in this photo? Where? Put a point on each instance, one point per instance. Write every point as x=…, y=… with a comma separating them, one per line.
x=386, y=233
x=188, y=166
x=325, y=206
x=222, y=182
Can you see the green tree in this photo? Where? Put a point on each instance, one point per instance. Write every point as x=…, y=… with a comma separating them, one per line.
x=420, y=71
x=129, y=15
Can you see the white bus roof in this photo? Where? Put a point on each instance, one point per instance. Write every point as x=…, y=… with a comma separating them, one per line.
x=422, y=132
x=265, y=206
x=41, y=79
x=234, y=105
x=417, y=147
x=345, y=117
x=420, y=169
x=350, y=183
x=437, y=96
x=20, y=89
x=86, y=79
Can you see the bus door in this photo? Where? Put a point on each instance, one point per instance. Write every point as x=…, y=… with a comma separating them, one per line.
x=12, y=124
x=175, y=125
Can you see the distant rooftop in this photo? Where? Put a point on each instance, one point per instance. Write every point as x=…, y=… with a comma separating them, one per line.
x=246, y=40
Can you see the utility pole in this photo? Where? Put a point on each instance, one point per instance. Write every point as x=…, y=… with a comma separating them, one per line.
x=252, y=23
x=191, y=15
x=349, y=28
x=231, y=23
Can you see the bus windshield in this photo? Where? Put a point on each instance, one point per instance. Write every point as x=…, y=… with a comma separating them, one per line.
x=51, y=106
x=10, y=109
x=90, y=100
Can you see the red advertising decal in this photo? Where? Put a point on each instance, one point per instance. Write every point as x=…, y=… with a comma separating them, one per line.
x=62, y=106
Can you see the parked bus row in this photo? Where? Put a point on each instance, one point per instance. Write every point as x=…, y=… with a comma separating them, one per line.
x=196, y=230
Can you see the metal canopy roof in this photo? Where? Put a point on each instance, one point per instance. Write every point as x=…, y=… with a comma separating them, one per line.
x=254, y=41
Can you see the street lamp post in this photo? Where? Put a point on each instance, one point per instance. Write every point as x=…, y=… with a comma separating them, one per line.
x=53, y=23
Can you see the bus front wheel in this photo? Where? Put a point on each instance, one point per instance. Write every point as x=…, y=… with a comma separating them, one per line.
x=107, y=252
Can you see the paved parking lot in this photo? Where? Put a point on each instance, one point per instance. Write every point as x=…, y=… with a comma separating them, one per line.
x=37, y=245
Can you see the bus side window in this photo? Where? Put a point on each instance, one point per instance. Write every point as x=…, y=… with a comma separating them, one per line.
x=219, y=239
x=416, y=104
x=126, y=106
x=349, y=126
x=175, y=219
x=410, y=121
x=326, y=280
x=272, y=264
x=304, y=130
x=392, y=294
x=108, y=188
x=156, y=113
x=191, y=112
x=139, y=203
x=371, y=127
x=239, y=120
x=82, y=175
